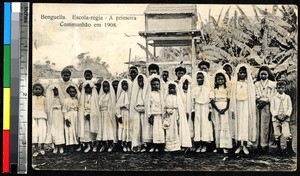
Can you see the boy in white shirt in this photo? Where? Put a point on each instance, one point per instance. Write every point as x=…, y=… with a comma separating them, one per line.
x=281, y=110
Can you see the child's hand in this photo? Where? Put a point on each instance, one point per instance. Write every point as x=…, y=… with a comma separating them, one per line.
x=209, y=116
x=87, y=117
x=68, y=123
x=55, y=91
x=193, y=116
x=281, y=118
x=119, y=119
x=151, y=119
x=222, y=111
x=285, y=117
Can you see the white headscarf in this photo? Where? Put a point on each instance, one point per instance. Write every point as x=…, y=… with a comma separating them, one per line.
x=50, y=100
x=206, y=86
x=251, y=99
x=123, y=97
x=223, y=72
x=134, y=114
x=94, y=116
x=184, y=130
x=148, y=91
x=111, y=106
x=232, y=68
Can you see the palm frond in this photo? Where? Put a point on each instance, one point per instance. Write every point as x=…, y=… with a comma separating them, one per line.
x=219, y=16
x=226, y=16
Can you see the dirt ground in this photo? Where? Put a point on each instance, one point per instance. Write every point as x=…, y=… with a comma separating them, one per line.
x=180, y=161
x=188, y=161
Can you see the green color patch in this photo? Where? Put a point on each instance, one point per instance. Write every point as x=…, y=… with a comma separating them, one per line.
x=6, y=73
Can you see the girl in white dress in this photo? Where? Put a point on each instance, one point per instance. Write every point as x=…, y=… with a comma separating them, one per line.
x=220, y=102
x=184, y=87
x=174, y=121
x=137, y=113
x=70, y=111
x=154, y=112
x=88, y=115
x=201, y=102
x=107, y=127
x=39, y=119
x=243, y=108
x=122, y=111
x=55, y=127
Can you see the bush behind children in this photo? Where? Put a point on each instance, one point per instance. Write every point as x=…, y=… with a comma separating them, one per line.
x=226, y=112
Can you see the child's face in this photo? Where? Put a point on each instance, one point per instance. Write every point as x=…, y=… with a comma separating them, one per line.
x=55, y=91
x=179, y=74
x=242, y=74
x=263, y=75
x=153, y=71
x=133, y=74
x=203, y=68
x=66, y=76
x=72, y=92
x=228, y=70
x=125, y=85
x=115, y=85
x=172, y=89
x=155, y=85
x=165, y=76
x=106, y=87
x=141, y=81
x=280, y=89
x=220, y=80
x=38, y=91
x=88, y=76
x=88, y=89
x=200, y=78
x=185, y=85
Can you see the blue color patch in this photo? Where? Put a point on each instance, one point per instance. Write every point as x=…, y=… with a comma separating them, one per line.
x=7, y=22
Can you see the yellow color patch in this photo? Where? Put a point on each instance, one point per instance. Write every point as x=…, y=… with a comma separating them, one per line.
x=6, y=109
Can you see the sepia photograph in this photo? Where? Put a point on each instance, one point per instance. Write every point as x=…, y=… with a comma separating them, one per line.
x=164, y=87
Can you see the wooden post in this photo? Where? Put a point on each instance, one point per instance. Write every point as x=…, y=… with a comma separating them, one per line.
x=147, y=57
x=193, y=56
x=129, y=58
x=154, y=49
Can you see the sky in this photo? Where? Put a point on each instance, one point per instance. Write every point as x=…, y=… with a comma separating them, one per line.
x=61, y=45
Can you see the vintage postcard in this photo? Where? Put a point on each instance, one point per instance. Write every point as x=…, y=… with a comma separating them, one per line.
x=164, y=87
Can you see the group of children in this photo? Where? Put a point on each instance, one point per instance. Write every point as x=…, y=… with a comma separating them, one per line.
x=226, y=111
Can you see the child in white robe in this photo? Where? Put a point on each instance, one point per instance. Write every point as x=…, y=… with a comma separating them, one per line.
x=137, y=113
x=184, y=87
x=88, y=115
x=70, y=111
x=107, y=127
x=154, y=112
x=174, y=121
x=122, y=111
x=54, y=102
x=220, y=102
x=202, y=116
x=243, y=107
x=229, y=69
x=39, y=119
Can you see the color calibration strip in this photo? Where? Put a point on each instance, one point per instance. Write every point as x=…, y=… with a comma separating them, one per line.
x=6, y=89
x=14, y=84
x=23, y=89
